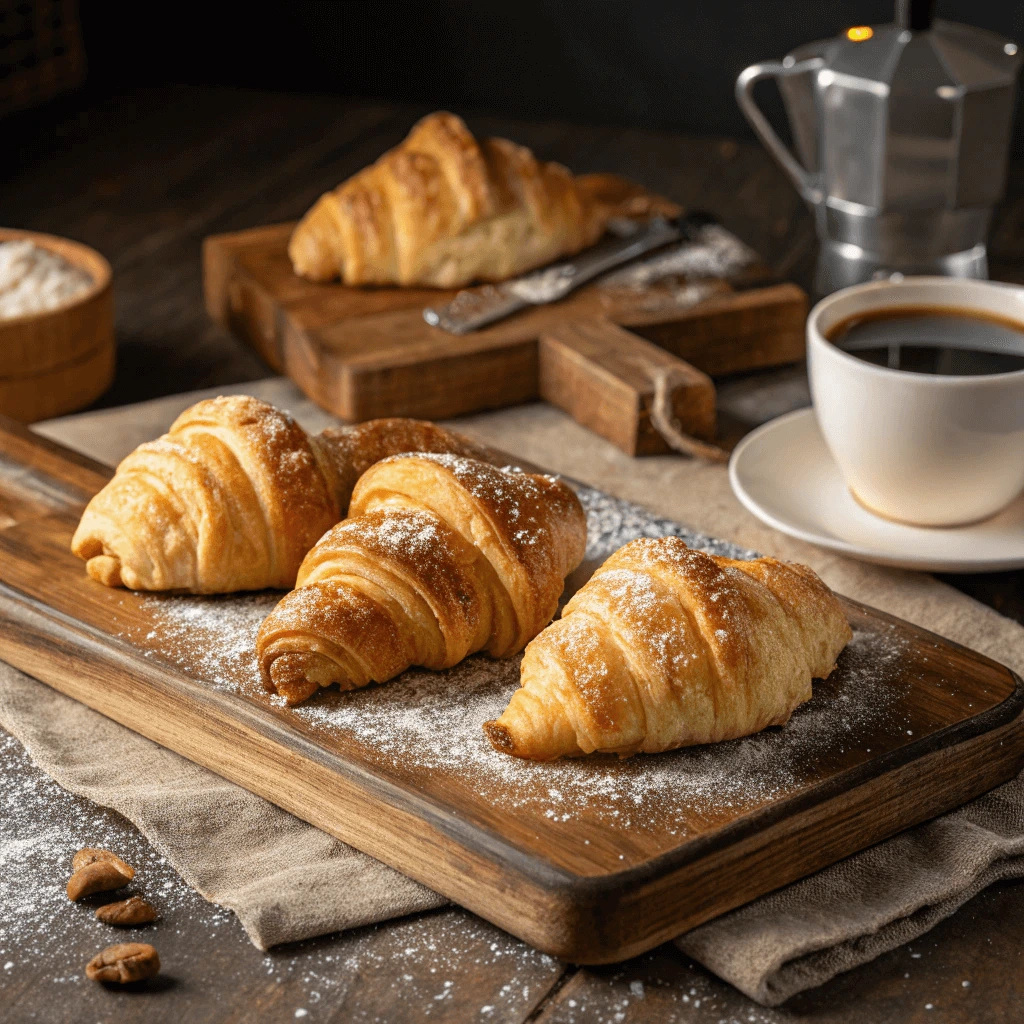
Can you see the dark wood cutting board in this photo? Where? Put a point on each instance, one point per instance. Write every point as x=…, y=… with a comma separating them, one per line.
x=592, y=860
x=367, y=352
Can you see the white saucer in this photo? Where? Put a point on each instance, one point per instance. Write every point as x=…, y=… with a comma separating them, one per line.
x=785, y=475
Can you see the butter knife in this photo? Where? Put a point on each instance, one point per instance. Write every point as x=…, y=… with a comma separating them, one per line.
x=473, y=308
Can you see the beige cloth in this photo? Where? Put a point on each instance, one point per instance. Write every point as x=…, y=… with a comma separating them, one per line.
x=285, y=880
x=774, y=947
x=865, y=905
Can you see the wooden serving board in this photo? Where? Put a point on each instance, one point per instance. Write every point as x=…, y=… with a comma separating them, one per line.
x=593, y=860
x=367, y=352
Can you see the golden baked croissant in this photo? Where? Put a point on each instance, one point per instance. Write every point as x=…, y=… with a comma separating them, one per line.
x=668, y=647
x=442, y=209
x=440, y=557
x=234, y=495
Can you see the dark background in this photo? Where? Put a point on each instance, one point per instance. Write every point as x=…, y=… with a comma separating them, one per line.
x=650, y=63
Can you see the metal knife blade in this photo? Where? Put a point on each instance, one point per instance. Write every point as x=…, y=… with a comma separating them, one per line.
x=473, y=308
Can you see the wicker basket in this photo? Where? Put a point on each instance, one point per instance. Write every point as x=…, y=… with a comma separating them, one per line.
x=41, y=52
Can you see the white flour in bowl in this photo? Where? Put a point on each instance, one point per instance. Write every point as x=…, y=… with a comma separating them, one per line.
x=33, y=279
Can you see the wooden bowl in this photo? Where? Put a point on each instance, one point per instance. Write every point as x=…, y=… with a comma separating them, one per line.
x=58, y=360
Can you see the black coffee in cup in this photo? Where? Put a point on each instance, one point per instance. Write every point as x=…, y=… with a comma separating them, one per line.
x=933, y=339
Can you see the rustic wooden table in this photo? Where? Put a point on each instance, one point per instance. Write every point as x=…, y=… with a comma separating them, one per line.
x=143, y=177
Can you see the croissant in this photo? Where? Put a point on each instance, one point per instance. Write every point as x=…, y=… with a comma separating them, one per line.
x=668, y=647
x=234, y=496
x=442, y=209
x=441, y=557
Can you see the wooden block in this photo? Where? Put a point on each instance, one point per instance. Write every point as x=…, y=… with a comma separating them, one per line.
x=366, y=352
x=728, y=332
x=250, y=289
x=604, y=377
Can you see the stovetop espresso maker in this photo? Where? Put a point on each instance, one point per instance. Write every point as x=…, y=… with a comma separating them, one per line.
x=902, y=133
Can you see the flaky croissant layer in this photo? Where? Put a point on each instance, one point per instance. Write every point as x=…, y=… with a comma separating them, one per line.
x=443, y=209
x=231, y=498
x=234, y=496
x=440, y=557
x=668, y=647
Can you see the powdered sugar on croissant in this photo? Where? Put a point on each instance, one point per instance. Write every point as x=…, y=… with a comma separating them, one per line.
x=234, y=496
x=668, y=647
x=441, y=557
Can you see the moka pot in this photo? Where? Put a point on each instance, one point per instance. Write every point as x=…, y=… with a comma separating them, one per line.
x=902, y=136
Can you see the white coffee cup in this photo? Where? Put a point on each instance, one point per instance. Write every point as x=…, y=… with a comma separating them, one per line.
x=919, y=448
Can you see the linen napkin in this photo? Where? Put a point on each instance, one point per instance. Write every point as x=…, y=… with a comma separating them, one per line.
x=786, y=942
x=285, y=879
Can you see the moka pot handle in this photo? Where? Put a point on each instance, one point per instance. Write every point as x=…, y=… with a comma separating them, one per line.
x=806, y=183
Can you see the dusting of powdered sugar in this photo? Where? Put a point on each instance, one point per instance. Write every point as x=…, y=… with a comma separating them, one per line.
x=428, y=724
x=715, y=253
x=43, y=826
x=612, y=522
x=443, y=958
x=213, y=638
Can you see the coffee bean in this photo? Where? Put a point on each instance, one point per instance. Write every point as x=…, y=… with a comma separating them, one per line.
x=126, y=913
x=99, y=876
x=123, y=963
x=91, y=854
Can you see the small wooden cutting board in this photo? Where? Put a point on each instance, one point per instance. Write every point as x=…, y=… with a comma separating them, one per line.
x=593, y=860
x=361, y=353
